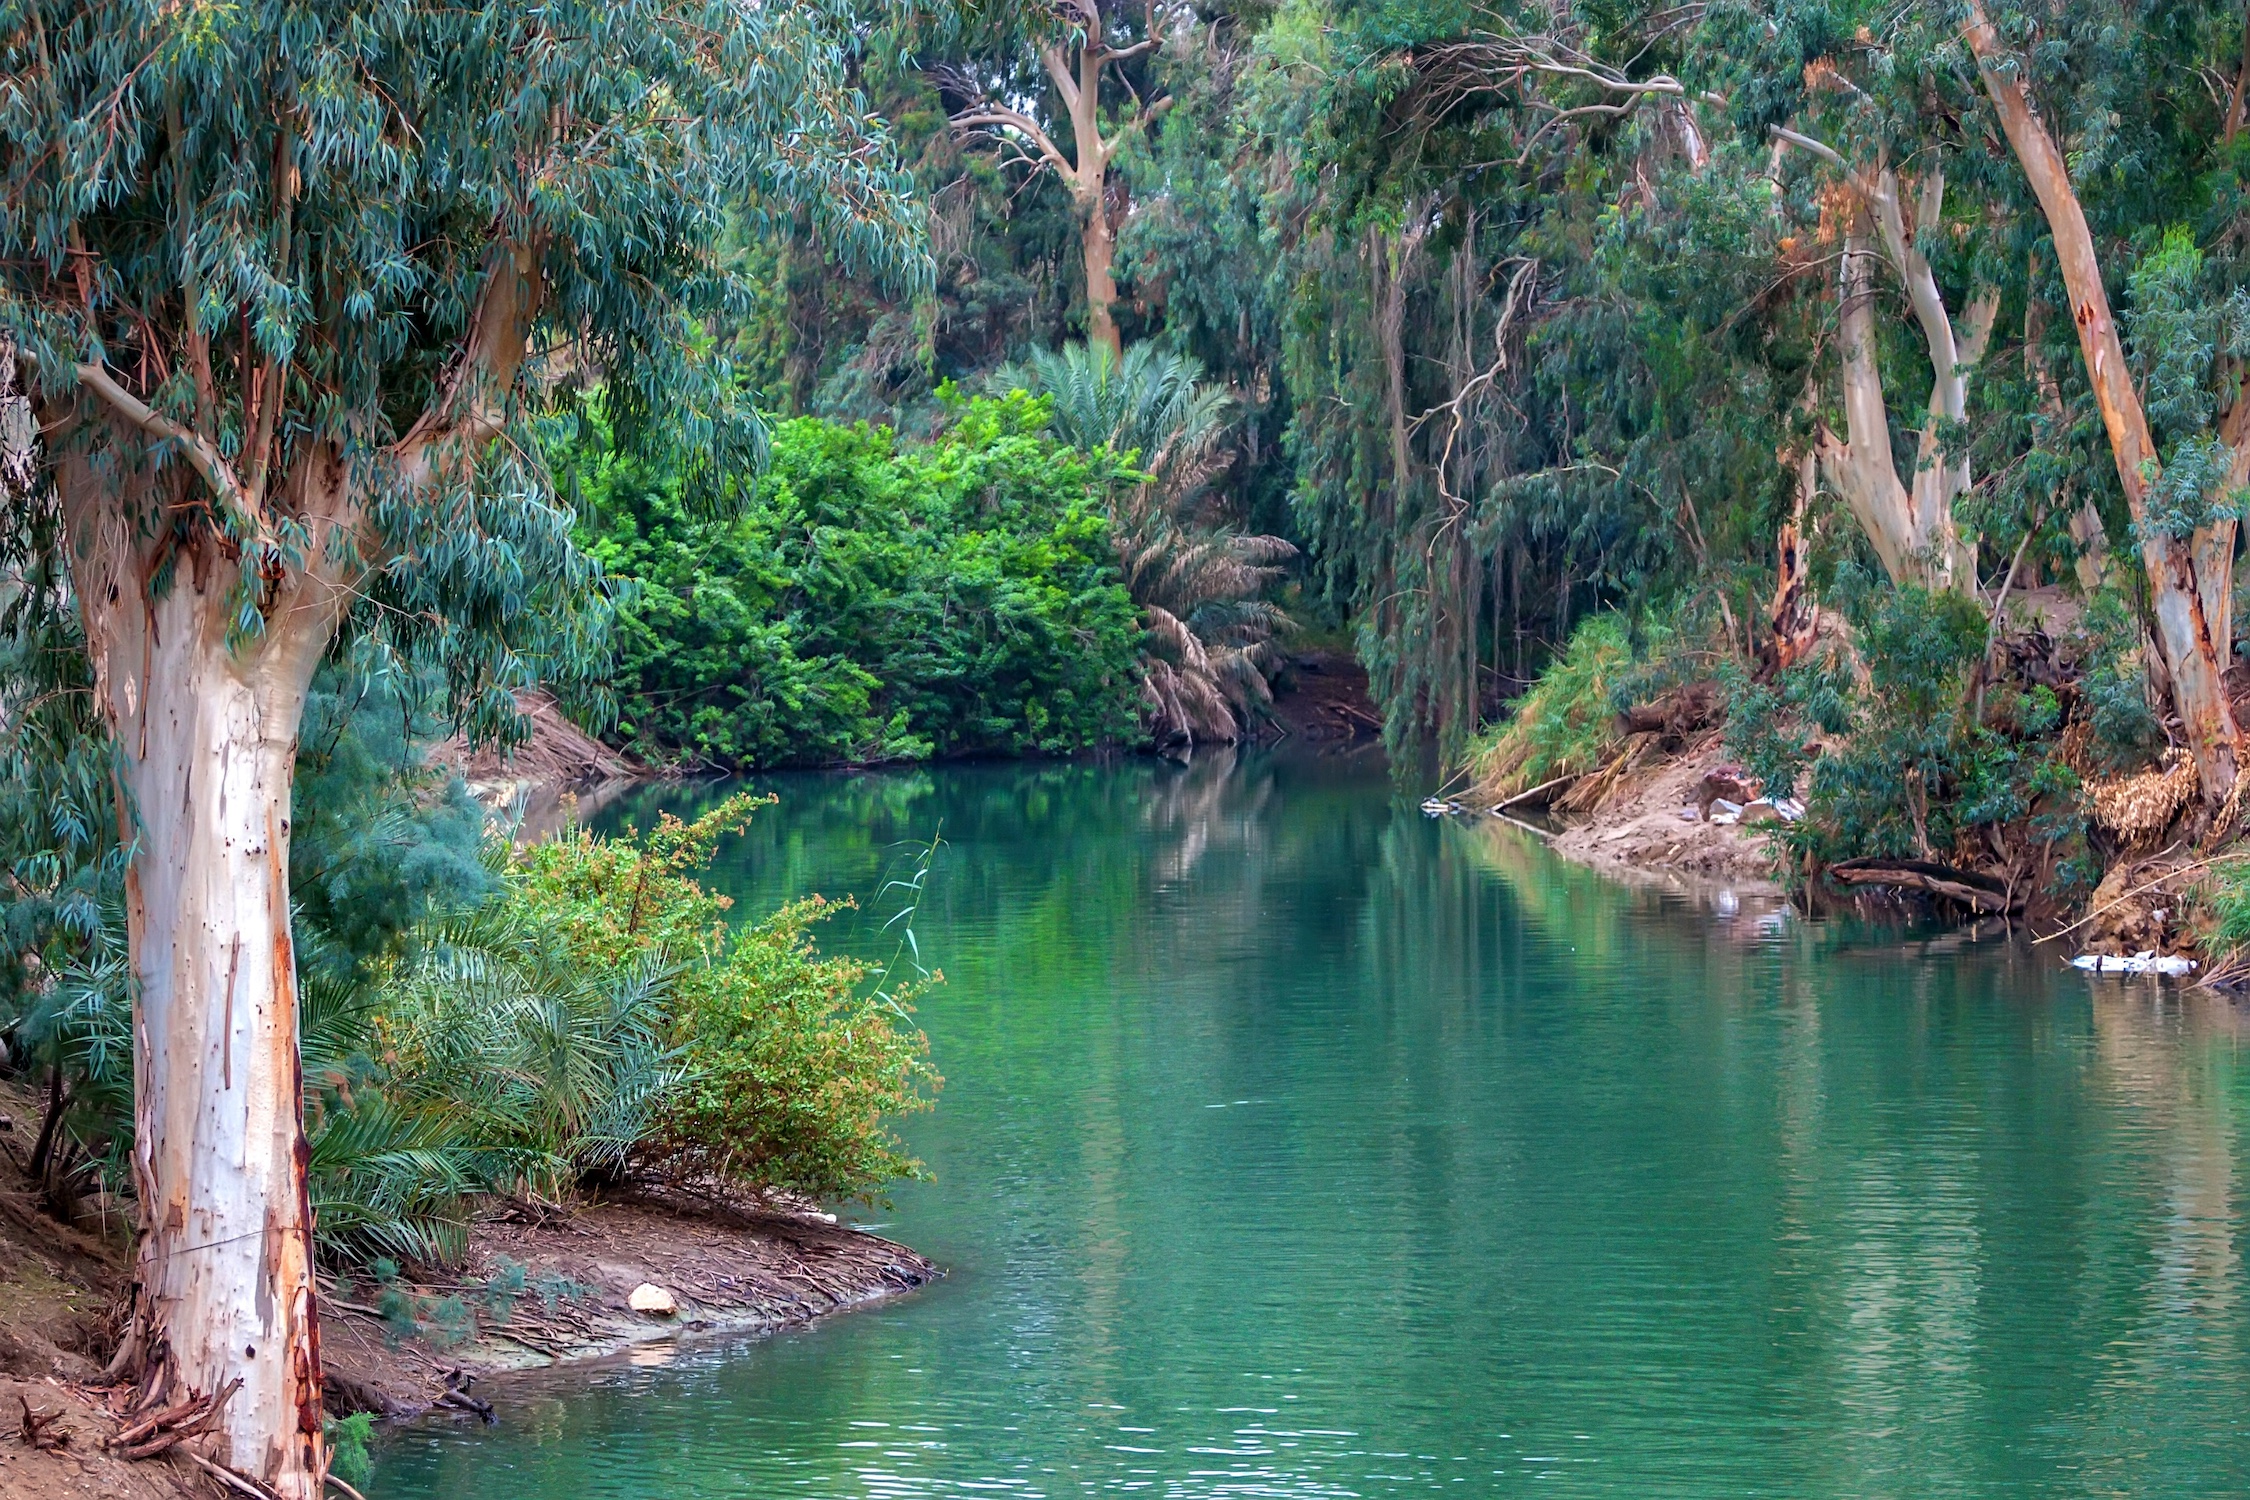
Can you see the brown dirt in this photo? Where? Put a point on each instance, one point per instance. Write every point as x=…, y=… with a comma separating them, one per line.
x=731, y=1269
x=57, y=1288
x=1637, y=825
x=540, y=777
x=1321, y=697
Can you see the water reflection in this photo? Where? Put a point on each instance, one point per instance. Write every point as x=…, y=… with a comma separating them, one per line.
x=1298, y=1145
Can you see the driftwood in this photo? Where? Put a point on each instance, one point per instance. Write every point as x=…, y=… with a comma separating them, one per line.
x=1544, y=787
x=457, y=1383
x=1978, y=892
x=39, y=1428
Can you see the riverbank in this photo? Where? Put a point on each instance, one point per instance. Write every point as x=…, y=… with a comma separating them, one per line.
x=535, y=1291
x=532, y=1291
x=1642, y=814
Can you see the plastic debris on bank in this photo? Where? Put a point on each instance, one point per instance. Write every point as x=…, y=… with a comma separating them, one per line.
x=2139, y=963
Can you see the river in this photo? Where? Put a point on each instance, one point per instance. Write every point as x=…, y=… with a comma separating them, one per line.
x=1295, y=1144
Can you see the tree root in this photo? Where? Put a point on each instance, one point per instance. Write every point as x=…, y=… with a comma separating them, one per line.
x=233, y=1479
x=39, y=1428
x=160, y=1432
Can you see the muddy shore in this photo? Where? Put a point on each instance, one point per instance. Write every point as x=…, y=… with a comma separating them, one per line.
x=533, y=1291
x=1637, y=825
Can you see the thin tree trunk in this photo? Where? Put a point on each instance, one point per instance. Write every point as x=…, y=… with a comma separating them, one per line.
x=1097, y=241
x=2176, y=590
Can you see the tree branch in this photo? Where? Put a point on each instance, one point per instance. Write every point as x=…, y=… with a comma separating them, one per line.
x=1023, y=125
x=471, y=408
x=1821, y=149
x=201, y=454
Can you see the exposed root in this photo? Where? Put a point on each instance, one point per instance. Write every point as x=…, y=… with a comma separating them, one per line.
x=39, y=1429
x=162, y=1431
x=233, y=1479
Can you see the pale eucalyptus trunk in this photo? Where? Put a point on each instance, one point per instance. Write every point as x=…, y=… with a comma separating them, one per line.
x=2187, y=579
x=206, y=741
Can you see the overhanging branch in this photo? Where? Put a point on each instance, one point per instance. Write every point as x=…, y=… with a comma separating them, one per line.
x=199, y=453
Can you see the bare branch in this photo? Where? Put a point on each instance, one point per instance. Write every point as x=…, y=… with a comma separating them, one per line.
x=1821, y=149
x=1001, y=117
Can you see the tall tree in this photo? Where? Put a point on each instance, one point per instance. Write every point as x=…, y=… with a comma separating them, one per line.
x=1082, y=45
x=288, y=281
x=2185, y=550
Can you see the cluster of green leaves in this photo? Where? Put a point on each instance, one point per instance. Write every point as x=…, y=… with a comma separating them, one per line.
x=875, y=600
x=1892, y=747
x=789, y=1063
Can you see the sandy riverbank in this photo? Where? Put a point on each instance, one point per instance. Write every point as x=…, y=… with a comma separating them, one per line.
x=729, y=1269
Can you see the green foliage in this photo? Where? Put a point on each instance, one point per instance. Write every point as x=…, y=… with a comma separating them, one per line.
x=1913, y=762
x=791, y=1064
x=306, y=205
x=2114, y=684
x=1149, y=404
x=1202, y=588
x=347, y=1439
x=875, y=601
x=1566, y=720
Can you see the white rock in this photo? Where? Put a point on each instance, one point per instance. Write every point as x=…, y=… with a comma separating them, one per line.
x=1725, y=817
x=1759, y=811
x=652, y=1299
x=1789, y=808
x=1688, y=814
x=1722, y=805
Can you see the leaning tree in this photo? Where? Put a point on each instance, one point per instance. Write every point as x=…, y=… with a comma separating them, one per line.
x=288, y=282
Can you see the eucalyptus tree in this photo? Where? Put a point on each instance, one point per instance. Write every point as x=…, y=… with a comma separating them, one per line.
x=2158, y=97
x=289, y=282
x=1084, y=47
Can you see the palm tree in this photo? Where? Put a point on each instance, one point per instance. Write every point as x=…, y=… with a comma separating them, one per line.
x=1211, y=633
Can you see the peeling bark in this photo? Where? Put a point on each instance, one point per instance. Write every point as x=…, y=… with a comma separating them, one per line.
x=207, y=739
x=1790, y=618
x=206, y=728
x=1910, y=524
x=2177, y=588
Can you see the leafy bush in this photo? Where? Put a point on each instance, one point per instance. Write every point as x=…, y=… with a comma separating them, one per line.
x=790, y=1064
x=873, y=602
x=1912, y=762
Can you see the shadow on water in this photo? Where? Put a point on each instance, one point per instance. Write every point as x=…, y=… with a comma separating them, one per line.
x=1297, y=1145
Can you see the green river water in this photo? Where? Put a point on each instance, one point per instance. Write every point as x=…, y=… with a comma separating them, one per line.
x=1294, y=1144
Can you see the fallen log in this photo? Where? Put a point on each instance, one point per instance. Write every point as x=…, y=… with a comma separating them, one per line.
x=1980, y=893
x=1530, y=792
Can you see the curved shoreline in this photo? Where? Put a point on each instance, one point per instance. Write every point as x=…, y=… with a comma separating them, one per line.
x=536, y=1295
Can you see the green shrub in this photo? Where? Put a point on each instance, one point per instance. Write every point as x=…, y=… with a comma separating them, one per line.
x=1911, y=763
x=873, y=602
x=790, y=1064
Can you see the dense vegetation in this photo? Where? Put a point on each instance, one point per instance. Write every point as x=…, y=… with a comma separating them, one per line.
x=481, y=1020
x=875, y=601
x=820, y=383
x=1765, y=327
